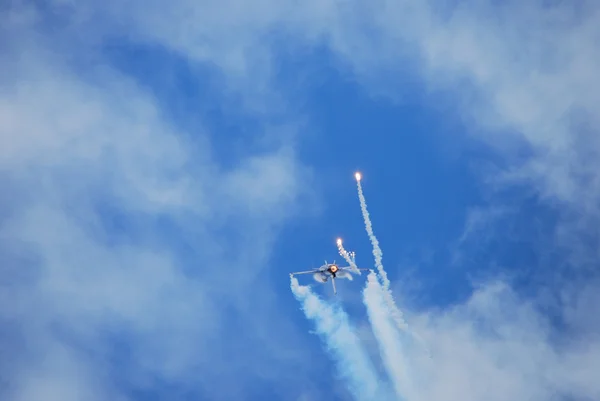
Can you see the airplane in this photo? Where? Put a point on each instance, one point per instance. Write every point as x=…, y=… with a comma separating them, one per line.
x=332, y=270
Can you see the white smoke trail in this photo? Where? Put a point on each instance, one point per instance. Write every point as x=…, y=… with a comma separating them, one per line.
x=378, y=254
x=347, y=256
x=334, y=328
x=390, y=344
x=394, y=311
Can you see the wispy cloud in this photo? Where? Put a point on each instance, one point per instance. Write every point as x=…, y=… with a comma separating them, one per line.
x=500, y=346
x=84, y=150
x=524, y=72
x=114, y=241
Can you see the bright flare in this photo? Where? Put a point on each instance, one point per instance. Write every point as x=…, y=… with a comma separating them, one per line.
x=357, y=176
x=347, y=257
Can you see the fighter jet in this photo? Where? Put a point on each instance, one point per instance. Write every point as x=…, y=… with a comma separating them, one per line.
x=323, y=273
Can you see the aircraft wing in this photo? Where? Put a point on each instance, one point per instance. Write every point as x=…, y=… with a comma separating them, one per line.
x=350, y=268
x=305, y=272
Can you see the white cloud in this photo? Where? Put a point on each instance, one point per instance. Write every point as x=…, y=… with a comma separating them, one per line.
x=102, y=193
x=526, y=74
x=499, y=346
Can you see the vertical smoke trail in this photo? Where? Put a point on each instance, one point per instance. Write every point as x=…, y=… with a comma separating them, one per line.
x=346, y=255
x=378, y=254
x=334, y=328
x=390, y=345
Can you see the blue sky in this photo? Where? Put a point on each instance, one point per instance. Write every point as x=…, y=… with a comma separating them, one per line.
x=165, y=166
